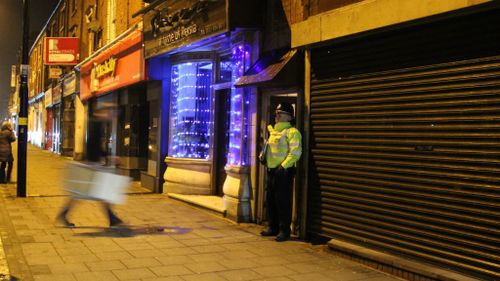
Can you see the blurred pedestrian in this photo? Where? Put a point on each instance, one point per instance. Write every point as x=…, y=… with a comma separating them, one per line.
x=96, y=152
x=114, y=220
x=7, y=136
x=282, y=150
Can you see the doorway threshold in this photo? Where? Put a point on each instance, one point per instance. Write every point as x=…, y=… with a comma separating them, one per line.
x=211, y=202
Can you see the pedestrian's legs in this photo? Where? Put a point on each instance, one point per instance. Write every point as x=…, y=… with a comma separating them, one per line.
x=64, y=213
x=9, y=170
x=114, y=220
x=2, y=171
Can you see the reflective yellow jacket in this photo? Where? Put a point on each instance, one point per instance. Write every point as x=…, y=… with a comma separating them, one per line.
x=284, y=145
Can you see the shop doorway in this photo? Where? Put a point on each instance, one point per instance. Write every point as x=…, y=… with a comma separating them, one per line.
x=221, y=141
x=101, y=134
x=56, y=129
x=269, y=103
x=49, y=122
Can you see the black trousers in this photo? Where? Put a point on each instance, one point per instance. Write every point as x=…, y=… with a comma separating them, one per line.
x=6, y=177
x=279, y=187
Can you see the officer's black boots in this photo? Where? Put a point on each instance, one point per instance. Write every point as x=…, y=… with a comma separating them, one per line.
x=268, y=232
x=282, y=236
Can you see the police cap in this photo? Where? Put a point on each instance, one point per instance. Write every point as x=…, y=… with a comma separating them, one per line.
x=285, y=107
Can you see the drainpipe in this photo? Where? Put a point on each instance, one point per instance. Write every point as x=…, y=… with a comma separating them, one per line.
x=305, y=142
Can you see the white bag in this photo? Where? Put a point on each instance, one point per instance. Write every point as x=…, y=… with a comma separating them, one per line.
x=90, y=183
x=109, y=187
x=78, y=179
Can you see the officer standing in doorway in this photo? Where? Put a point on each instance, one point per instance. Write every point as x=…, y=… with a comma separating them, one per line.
x=282, y=150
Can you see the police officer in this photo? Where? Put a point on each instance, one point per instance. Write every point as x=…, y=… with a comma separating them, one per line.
x=284, y=147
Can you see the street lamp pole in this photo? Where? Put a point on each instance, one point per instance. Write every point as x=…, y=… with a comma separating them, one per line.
x=23, y=110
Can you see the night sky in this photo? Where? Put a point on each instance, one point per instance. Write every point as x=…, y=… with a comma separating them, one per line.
x=11, y=38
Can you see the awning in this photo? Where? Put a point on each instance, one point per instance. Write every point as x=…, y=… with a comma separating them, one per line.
x=116, y=65
x=278, y=69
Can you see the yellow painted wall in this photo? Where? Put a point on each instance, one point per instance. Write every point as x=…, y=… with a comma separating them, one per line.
x=368, y=15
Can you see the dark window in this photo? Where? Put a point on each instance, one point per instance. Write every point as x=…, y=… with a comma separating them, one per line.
x=62, y=21
x=96, y=12
x=97, y=40
x=53, y=29
x=73, y=30
x=73, y=5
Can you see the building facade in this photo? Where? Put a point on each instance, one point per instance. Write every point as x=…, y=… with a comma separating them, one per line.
x=401, y=129
x=112, y=79
x=206, y=124
x=399, y=123
x=36, y=93
x=46, y=110
x=59, y=122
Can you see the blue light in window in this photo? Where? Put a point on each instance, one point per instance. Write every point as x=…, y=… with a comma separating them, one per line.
x=190, y=108
x=239, y=115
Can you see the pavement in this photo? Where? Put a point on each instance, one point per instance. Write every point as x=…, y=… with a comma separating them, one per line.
x=164, y=240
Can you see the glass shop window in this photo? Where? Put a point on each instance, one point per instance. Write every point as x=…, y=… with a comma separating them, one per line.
x=190, y=108
x=239, y=115
x=226, y=70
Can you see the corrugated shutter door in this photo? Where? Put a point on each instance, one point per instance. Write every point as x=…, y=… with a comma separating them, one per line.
x=409, y=161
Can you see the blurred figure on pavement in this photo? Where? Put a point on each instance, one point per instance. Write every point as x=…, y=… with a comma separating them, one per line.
x=97, y=153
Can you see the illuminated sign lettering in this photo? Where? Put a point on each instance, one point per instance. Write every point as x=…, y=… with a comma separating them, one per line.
x=106, y=67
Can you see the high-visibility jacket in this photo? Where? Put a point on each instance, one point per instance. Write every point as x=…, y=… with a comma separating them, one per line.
x=284, y=145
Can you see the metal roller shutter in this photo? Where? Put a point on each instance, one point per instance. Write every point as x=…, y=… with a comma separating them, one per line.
x=408, y=160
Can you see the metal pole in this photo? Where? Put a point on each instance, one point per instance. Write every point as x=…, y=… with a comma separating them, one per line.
x=23, y=110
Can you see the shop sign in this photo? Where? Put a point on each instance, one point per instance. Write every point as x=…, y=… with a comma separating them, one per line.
x=119, y=65
x=55, y=72
x=48, y=98
x=61, y=51
x=56, y=94
x=174, y=24
x=69, y=85
x=106, y=67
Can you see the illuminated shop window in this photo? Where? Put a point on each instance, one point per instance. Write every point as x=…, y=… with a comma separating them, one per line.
x=239, y=115
x=226, y=69
x=190, y=110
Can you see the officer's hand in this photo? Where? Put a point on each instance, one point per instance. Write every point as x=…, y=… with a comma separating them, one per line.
x=280, y=169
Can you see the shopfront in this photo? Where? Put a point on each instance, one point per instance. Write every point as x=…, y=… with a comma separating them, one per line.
x=48, y=119
x=69, y=84
x=209, y=126
x=56, y=115
x=113, y=91
x=404, y=141
x=36, y=124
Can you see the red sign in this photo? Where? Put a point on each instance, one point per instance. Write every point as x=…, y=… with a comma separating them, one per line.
x=120, y=65
x=61, y=50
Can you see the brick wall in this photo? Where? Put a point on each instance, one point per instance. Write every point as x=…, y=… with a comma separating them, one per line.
x=124, y=11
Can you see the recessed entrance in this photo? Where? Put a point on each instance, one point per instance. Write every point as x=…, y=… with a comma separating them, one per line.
x=221, y=142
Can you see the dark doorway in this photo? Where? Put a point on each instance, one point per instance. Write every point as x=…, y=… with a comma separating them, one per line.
x=221, y=141
x=268, y=118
